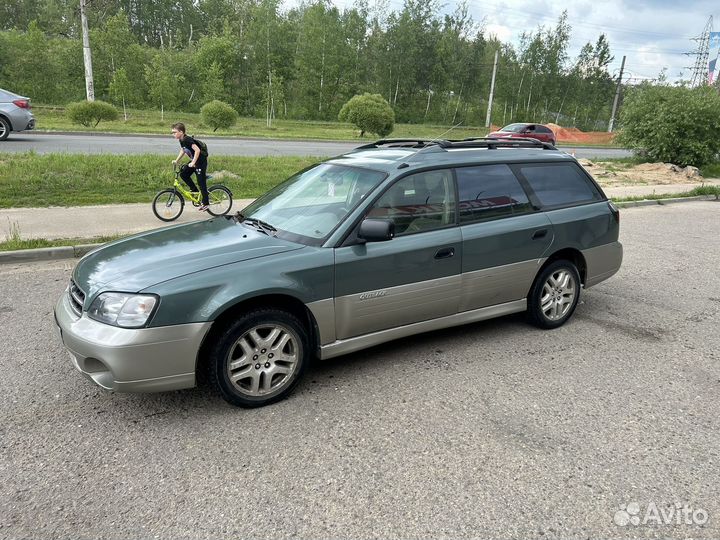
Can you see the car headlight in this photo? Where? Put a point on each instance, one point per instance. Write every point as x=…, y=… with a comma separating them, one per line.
x=122, y=309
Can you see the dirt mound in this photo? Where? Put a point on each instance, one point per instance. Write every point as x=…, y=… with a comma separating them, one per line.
x=623, y=174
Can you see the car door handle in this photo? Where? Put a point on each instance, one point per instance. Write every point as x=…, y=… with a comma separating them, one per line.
x=542, y=233
x=445, y=253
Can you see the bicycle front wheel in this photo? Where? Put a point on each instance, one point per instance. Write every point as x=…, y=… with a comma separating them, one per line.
x=220, y=199
x=168, y=205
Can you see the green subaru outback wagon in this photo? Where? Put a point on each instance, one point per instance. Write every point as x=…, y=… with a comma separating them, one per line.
x=395, y=238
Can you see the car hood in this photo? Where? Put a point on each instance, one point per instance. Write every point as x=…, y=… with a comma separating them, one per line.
x=135, y=263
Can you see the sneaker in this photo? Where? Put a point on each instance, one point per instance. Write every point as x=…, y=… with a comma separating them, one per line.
x=202, y=208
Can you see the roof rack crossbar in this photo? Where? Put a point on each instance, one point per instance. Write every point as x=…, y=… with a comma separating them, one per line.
x=406, y=143
x=493, y=143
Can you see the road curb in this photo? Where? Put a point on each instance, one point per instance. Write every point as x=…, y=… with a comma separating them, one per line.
x=75, y=252
x=46, y=254
x=655, y=202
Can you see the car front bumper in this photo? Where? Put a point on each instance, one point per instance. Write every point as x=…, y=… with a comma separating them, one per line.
x=130, y=360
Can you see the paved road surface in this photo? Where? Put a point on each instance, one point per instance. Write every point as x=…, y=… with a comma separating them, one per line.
x=493, y=430
x=118, y=144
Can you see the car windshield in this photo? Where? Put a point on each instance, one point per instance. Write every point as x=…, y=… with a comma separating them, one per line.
x=514, y=128
x=309, y=205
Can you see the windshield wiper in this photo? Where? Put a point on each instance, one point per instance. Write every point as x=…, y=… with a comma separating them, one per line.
x=259, y=224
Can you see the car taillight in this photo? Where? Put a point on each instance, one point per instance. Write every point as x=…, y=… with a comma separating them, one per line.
x=22, y=103
x=615, y=211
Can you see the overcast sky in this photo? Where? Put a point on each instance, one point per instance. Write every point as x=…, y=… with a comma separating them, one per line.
x=652, y=33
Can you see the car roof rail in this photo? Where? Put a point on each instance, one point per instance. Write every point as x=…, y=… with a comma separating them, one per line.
x=493, y=143
x=405, y=143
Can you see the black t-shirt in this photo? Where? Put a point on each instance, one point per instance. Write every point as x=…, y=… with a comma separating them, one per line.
x=186, y=144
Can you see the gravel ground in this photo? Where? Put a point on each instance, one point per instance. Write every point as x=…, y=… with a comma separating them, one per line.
x=489, y=430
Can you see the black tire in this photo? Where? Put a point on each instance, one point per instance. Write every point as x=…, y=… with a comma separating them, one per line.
x=4, y=129
x=266, y=369
x=223, y=201
x=168, y=205
x=554, y=295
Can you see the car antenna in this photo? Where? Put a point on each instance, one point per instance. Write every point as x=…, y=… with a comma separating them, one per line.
x=436, y=139
x=448, y=131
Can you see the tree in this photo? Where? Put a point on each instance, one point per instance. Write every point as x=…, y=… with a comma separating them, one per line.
x=369, y=112
x=121, y=90
x=163, y=85
x=672, y=124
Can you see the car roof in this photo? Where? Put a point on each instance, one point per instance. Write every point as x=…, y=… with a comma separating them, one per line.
x=389, y=158
x=5, y=94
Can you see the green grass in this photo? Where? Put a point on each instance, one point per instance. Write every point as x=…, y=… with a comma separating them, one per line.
x=696, y=192
x=142, y=121
x=13, y=242
x=33, y=180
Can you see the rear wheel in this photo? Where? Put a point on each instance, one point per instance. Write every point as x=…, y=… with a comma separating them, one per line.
x=168, y=205
x=220, y=199
x=4, y=129
x=259, y=358
x=554, y=295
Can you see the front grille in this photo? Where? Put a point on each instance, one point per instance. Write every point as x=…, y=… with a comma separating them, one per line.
x=77, y=298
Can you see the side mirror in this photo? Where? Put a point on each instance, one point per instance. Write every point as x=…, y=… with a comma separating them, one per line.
x=376, y=230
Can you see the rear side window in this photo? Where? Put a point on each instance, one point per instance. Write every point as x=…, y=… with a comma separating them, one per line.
x=559, y=184
x=543, y=129
x=489, y=191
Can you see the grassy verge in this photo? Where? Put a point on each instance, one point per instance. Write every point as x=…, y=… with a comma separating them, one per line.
x=32, y=180
x=14, y=242
x=144, y=122
x=696, y=192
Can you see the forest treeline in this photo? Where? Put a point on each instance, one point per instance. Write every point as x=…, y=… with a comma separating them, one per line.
x=304, y=62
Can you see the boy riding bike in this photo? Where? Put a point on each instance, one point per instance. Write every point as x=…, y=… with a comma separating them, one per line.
x=198, y=162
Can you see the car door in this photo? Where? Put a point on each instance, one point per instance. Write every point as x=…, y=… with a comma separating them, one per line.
x=504, y=238
x=411, y=278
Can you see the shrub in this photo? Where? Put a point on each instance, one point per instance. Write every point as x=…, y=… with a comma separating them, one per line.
x=672, y=124
x=369, y=112
x=218, y=114
x=91, y=113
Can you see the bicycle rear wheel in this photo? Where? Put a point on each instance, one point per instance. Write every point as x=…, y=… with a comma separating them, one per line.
x=220, y=199
x=168, y=205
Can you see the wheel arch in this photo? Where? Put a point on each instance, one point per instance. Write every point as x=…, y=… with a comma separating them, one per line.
x=7, y=119
x=568, y=254
x=283, y=302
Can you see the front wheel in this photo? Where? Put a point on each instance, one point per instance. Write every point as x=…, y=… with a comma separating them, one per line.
x=554, y=295
x=168, y=205
x=259, y=358
x=220, y=199
x=4, y=129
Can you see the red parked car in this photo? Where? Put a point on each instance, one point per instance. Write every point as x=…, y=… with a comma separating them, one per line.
x=536, y=131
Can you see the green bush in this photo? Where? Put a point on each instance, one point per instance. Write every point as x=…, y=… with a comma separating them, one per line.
x=91, y=113
x=217, y=114
x=369, y=112
x=672, y=124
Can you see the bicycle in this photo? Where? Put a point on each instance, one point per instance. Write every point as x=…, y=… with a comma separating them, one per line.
x=169, y=203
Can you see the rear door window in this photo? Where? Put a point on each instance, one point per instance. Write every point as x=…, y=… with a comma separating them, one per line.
x=489, y=191
x=559, y=184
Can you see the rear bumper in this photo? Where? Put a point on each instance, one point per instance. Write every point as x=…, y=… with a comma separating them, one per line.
x=602, y=262
x=130, y=360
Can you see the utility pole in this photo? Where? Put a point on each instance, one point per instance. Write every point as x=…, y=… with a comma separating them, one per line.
x=617, y=96
x=87, y=58
x=492, y=90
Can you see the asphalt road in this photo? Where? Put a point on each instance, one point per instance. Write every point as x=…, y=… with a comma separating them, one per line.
x=490, y=430
x=120, y=144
